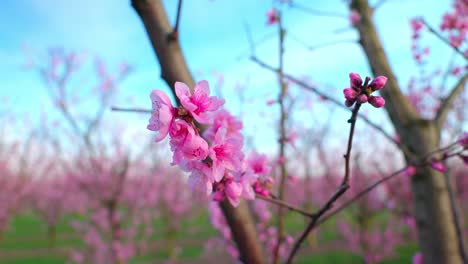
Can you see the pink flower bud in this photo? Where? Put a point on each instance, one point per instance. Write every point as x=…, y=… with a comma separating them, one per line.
x=417, y=258
x=350, y=102
x=463, y=140
x=376, y=101
x=356, y=80
x=465, y=159
x=350, y=93
x=272, y=16
x=438, y=166
x=354, y=17
x=410, y=171
x=378, y=83
x=362, y=98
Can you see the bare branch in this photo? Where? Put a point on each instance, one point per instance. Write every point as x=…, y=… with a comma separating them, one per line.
x=175, y=31
x=284, y=204
x=446, y=41
x=336, y=102
x=344, y=186
x=136, y=110
x=447, y=103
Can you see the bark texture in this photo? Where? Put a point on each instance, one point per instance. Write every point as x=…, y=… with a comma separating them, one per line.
x=434, y=217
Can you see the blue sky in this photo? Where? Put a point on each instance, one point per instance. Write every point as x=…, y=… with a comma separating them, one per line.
x=213, y=39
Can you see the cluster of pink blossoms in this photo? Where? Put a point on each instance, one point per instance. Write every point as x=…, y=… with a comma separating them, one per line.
x=215, y=159
x=361, y=93
x=456, y=24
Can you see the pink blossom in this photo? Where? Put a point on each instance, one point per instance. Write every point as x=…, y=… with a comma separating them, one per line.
x=350, y=93
x=362, y=98
x=438, y=166
x=233, y=192
x=272, y=16
x=417, y=258
x=259, y=163
x=464, y=159
x=163, y=114
x=246, y=178
x=223, y=118
x=291, y=138
x=463, y=140
x=378, y=83
x=354, y=17
x=270, y=102
x=225, y=153
x=410, y=171
x=186, y=143
x=416, y=24
x=355, y=80
x=200, y=177
x=200, y=104
x=376, y=101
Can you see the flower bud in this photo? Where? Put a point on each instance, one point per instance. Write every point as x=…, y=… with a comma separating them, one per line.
x=438, y=166
x=350, y=93
x=376, y=101
x=350, y=102
x=378, y=83
x=356, y=80
x=362, y=98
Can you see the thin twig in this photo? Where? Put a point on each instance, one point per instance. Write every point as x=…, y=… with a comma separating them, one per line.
x=175, y=32
x=446, y=41
x=282, y=142
x=425, y=162
x=284, y=204
x=456, y=219
x=341, y=189
x=316, y=12
x=136, y=110
x=336, y=102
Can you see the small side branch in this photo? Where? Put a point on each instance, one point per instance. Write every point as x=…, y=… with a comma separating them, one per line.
x=338, y=193
x=175, y=32
x=446, y=41
x=447, y=103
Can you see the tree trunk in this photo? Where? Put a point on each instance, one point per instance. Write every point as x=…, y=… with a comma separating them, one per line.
x=432, y=210
x=174, y=68
x=434, y=217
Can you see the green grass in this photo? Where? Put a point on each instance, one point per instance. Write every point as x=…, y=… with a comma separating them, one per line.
x=27, y=233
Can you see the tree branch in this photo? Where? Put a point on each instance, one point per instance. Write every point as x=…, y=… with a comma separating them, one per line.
x=447, y=103
x=446, y=41
x=338, y=193
x=175, y=31
x=334, y=101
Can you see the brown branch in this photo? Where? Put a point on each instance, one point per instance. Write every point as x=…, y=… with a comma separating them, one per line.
x=447, y=103
x=175, y=32
x=425, y=161
x=456, y=219
x=334, y=101
x=285, y=204
x=446, y=41
x=341, y=189
x=282, y=142
x=135, y=110
x=174, y=68
x=359, y=195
